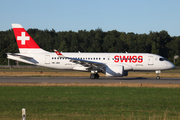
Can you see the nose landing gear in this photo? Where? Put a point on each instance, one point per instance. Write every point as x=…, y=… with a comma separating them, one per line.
x=158, y=71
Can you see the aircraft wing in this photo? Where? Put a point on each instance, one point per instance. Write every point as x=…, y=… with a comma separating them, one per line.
x=85, y=63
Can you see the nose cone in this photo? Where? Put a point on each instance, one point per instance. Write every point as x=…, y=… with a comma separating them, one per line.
x=171, y=65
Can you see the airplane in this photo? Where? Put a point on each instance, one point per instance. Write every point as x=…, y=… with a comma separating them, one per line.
x=111, y=64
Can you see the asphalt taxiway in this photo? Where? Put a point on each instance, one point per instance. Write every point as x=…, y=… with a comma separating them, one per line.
x=87, y=80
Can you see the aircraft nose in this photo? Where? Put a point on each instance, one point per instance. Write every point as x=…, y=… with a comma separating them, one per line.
x=171, y=65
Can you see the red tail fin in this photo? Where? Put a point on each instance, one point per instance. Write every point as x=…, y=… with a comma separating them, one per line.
x=25, y=42
x=23, y=39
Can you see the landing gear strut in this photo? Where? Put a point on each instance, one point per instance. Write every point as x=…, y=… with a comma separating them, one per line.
x=94, y=76
x=158, y=71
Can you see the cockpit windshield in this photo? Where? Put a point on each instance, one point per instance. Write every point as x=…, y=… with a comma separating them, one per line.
x=162, y=59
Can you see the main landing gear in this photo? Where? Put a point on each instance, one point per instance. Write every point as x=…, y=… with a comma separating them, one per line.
x=158, y=71
x=94, y=76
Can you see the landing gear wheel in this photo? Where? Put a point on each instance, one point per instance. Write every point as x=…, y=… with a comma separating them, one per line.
x=94, y=76
x=157, y=77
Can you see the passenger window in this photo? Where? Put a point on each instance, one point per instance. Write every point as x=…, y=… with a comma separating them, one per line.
x=103, y=58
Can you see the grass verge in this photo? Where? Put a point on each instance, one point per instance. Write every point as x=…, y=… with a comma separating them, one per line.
x=152, y=85
x=58, y=102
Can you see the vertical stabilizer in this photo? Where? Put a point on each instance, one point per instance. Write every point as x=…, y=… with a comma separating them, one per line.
x=25, y=42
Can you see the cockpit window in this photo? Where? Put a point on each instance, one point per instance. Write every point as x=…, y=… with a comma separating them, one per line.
x=162, y=59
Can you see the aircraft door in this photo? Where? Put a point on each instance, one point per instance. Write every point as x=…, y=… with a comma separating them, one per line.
x=47, y=59
x=150, y=60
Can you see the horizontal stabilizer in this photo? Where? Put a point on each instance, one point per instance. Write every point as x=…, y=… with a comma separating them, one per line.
x=21, y=58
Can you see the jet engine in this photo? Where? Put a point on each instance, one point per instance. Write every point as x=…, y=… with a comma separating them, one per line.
x=114, y=70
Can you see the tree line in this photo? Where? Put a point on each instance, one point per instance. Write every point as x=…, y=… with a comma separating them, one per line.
x=160, y=43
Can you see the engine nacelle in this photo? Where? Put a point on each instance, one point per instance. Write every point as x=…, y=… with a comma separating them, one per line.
x=114, y=70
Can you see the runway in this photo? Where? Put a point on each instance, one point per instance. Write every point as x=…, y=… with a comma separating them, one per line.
x=87, y=80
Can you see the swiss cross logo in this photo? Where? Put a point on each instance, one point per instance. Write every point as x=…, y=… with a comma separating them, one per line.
x=23, y=38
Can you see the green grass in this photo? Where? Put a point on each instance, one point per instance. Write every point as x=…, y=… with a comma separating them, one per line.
x=43, y=103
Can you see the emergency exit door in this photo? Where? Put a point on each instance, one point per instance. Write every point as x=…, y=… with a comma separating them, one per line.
x=150, y=60
x=47, y=59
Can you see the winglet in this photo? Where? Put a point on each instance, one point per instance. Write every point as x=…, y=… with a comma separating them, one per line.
x=58, y=53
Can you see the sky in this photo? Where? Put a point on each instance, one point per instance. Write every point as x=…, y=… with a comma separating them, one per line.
x=137, y=16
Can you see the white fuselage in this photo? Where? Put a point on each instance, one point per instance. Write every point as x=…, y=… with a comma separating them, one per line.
x=130, y=61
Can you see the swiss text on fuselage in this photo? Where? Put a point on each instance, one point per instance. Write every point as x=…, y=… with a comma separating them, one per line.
x=129, y=59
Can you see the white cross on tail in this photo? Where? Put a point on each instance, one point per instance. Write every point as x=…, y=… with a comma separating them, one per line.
x=23, y=38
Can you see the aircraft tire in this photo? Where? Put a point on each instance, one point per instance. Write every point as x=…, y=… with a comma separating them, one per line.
x=97, y=76
x=92, y=76
x=158, y=77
